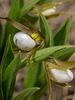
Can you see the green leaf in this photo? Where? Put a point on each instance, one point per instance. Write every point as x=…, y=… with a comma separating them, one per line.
x=35, y=78
x=42, y=83
x=8, y=75
x=1, y=92
x=21, y=3
x=14, y=10
x=47, y=51
x=25, y=94
x=8, y=56
x=64, y=54
x=37, y=57
x=39, y=93
x=33, y=20
x=44, y=1
x=45, y=29
x=1, y=41
x=24, y=10
x=12, y=86
x=13, y=14
x=61, y=35
x=32, y=75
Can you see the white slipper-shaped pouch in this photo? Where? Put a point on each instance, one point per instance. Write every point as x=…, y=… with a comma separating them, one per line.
x=61, y=76
x=23, y=41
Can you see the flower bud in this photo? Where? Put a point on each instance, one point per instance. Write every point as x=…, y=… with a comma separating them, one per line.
x=24, y=41
x=61, y=76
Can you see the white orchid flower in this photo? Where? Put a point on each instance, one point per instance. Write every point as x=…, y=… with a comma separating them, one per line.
x=58, y=72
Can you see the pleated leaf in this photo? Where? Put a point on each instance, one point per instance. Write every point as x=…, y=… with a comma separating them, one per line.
x=61, y=35
x=64, y=54
x=46, y=52
x=8, y=56
x=13, y=14
x=1, y=41
x=25, y=94
x=40, y=93
x=31, y=19
x=31, y=77
x=42, y=83
x=44, y=1
x=46, y=31
x=37, y=57
x=8, y=75
x=12, y=86
x=21, y=3
x=24, y=10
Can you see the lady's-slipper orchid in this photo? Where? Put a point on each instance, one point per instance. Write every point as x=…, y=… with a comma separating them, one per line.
x=46, y=12
x=47, y=9
x=58, y=72
x=29, y=40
